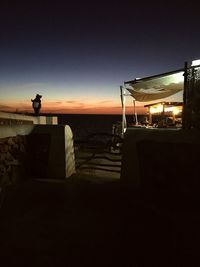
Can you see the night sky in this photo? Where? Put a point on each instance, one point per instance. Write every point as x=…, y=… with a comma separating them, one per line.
x=77, y=54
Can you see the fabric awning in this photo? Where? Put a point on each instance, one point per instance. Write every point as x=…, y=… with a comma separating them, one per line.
x=156, y=87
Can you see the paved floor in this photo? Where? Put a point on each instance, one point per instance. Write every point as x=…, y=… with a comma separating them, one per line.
x=85, y=223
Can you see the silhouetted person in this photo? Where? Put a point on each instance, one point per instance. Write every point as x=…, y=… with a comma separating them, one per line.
x=36, y=103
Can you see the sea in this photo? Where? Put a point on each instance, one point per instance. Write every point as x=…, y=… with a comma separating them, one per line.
x=83, y=125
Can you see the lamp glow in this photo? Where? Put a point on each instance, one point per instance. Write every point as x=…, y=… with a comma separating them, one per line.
x=156, y=109
x=176, y=111
x=196, y=62
x=169, y=109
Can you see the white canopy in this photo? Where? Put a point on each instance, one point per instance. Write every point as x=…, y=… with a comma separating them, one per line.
x=156, y=87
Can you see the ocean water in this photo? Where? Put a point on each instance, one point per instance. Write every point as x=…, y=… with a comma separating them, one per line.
x=83, y=125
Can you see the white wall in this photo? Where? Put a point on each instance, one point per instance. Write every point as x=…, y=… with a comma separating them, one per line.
x=8, y=130
x=61, y=159
x=34, y=119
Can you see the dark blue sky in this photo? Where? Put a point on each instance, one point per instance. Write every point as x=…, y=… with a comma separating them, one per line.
x=82, y=52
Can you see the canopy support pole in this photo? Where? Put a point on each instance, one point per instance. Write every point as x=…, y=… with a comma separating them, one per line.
x=135, y=113
x=123, y=101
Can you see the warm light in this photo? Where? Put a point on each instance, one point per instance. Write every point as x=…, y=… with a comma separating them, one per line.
x=169, y=109
x=156, y=109
x=160, y=108
x=152, y=110
x=176, y=111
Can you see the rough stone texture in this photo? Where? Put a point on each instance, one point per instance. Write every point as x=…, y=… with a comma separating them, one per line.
x=12, y=159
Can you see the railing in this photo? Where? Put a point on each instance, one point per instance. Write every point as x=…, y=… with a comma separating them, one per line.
x=99, y=154
x=191, y=111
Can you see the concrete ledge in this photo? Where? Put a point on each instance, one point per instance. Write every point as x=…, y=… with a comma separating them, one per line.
x=26, y=118
x=9, y=131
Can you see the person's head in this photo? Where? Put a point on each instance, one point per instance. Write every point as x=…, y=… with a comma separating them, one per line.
x=38, y=96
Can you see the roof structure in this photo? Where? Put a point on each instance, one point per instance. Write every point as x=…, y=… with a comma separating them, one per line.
x=156, y=87
x=165, y=103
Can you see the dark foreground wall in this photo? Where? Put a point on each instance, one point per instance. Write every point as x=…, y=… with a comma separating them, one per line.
x=51, y=151
x=161, y=159
x=13, y=155
x=40, y=151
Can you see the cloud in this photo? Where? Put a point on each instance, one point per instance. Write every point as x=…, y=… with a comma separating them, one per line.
x=72, y=107
x=105, y=102
x=9, y=108
x=4, y=107
x=52, y=103
x=70, y=101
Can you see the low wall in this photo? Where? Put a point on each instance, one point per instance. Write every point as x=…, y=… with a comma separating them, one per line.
x=13, y=156
x=51, y=151
x=19, y=119
x=13, y=153
x=14, y=130
x=161, y=158
x=41, y=151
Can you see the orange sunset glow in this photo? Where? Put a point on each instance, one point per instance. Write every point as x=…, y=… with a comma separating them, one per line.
x=71, y=107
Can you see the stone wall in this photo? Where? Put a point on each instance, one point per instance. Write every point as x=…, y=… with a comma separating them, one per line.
x=13, y=154
x=35, y=151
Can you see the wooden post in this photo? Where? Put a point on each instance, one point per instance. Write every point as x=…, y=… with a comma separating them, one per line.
x=150, y=116
x=174, y=117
